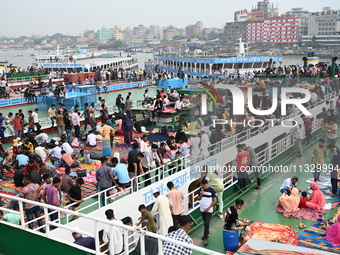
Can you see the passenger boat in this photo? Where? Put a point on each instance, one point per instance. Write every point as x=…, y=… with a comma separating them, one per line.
x=83, y=61
x=211, y=66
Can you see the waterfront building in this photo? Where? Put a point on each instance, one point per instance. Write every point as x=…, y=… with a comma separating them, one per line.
x=194, y=30
x=326, y=22
x=105, y=34
x=233, y=31
x=281, y=30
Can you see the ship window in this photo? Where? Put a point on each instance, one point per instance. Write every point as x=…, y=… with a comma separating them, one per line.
x=261, y=153
x=278, y=145
x=193, y=195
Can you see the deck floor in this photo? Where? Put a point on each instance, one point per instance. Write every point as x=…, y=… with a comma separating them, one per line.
x=260, y=205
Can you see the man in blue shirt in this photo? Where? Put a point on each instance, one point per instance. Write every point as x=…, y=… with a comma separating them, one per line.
x=121, y=172
x=87, y=242
x=334, y=166
x=22, y=159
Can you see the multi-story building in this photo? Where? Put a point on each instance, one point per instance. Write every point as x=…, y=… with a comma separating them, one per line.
x=303, y=15
x=170, y=32
x=233, y=31
x=268, y=9
x=117, y=33
x=105, y=34
x=155, y=32
x=139, y=31
x=281, y=30
x=254, y=32
x=194, y=30
x=326, y=22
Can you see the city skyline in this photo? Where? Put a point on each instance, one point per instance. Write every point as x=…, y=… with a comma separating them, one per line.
x=72, y=18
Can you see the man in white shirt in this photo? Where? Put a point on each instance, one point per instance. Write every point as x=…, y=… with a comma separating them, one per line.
x=76, y=122
x=42, y=137
x=179, y=106
x=288, y=184
x=150, y=155
x=297, y=133
x=184, y=148
x=41, y=152
x=55, y=154
x=143, y=143
x=36, y=119
x=91, y=140
x=115, y=245
x=66, y=147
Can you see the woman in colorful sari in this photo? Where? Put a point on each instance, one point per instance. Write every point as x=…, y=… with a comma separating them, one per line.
x=290, y=203
x=317, y=200
x=333, y=233
x=106, y=131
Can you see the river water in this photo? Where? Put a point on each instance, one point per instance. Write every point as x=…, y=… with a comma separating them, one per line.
x=26, y=60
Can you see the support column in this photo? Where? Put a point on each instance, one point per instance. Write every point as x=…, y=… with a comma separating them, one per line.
x=210, y=68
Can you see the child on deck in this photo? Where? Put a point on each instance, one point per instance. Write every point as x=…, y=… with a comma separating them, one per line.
x=303, y=200
x=175, y=162
x=15, y=143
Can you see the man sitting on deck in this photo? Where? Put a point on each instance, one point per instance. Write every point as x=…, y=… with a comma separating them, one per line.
x=233, y=222
x=288, y=184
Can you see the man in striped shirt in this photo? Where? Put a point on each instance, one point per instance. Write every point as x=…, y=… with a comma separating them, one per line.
x=308, y=127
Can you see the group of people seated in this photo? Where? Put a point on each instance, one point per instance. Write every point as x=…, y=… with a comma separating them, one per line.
x=292, y=202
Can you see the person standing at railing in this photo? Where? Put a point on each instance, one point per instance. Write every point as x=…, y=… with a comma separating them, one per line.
x=116, y=246
x=243, y=160
x=31, y=192
x=8, y=123
x=308, y=127
x=105, y=178
x=150, y=155
x=50, y=196
x=86, y=115
x=36, y=119
x=75, y=122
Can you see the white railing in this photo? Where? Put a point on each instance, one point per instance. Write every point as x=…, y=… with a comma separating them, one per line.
x=96, y=222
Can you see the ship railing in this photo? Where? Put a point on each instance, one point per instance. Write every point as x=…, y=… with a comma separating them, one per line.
x=26, y=80
x=98, y=223
x=136, y=184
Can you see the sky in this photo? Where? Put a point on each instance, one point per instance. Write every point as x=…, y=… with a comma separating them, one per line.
x=46, y=17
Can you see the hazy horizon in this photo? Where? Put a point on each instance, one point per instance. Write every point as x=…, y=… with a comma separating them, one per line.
x=25, y=18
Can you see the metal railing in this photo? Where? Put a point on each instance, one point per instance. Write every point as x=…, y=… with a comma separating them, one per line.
x=96, y=222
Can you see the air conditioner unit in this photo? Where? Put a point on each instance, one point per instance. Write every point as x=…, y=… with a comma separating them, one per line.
x=140, y=85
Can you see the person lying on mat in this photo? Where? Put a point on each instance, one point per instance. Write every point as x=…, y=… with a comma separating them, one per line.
x=290, y=202
x=317, y=200
x=288, y=184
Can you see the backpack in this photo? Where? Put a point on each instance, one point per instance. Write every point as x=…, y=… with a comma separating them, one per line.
x=128, y=124
x=163, y=130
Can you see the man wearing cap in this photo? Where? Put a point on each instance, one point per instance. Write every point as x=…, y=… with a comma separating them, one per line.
x=162, y=206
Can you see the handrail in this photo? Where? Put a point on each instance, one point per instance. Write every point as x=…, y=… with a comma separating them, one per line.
x=95, y=235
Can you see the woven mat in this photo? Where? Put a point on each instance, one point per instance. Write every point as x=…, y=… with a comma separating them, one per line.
x=273, y=232
x=248, y=249
x=326, y=188
x=88, y=189
x=314, y=237
x=11, y=185
x=304, y=213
